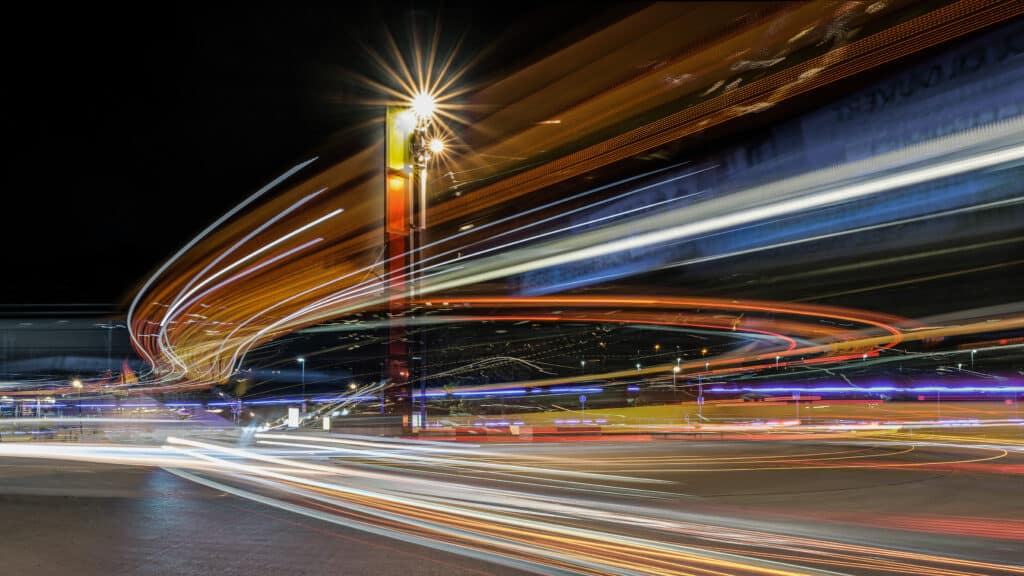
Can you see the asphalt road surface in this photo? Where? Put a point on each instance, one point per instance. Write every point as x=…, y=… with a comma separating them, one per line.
x=850, y=506
x=90, y=519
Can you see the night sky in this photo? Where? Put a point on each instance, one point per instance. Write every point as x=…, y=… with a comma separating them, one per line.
x=129, y=132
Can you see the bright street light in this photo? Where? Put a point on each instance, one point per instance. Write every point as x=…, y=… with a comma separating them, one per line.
x=675, y=371
x=437, y=145
x=77, y=385
x=423, y=106
x=302, y=362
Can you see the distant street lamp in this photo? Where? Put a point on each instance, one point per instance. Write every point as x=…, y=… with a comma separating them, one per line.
x=973, y=352
x=302, y=363
x=700, y=397
x=675, y=372
x=77, y=385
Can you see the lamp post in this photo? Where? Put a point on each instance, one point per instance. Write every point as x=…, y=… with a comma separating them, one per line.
x=302, y=363
x=675, y=372
x=700, y=394
x=973, y=352
x=409, y=150
x=424, y=108
x=77, y=385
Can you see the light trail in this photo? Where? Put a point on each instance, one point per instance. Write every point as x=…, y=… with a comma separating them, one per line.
x=133, y=308
x=189, y=289
x=364, y=294
x=474, y=502
x=790, y=196
x=602, y=242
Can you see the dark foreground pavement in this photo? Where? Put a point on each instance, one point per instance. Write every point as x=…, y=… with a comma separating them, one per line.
x=66, y=517
x=83, y=519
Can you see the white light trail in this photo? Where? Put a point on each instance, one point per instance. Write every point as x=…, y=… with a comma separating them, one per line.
x=216, y=224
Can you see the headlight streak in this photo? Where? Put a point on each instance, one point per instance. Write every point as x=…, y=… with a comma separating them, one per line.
x=429, y=542
x=496, y=466
x=913, y=161
x=535, y=528
x=184, y=249
x=507, y=535
x=377, y=286
x=769, y=201
x=902, y=222
x=164, y=339
x=593, y=244
x=431, y=467
x=190, y=289
x=546, y=540
x=710, y=303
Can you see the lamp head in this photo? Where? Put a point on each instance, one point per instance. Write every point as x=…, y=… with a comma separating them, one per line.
x=423, y=106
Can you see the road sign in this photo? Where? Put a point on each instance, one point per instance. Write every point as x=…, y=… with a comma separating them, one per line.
x=583, y=399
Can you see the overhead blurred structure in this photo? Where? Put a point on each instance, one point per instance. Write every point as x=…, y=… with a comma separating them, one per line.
x=789, y=151
x=43, y=346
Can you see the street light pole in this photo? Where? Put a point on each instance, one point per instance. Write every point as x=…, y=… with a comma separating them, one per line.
x=409, y=150
x=700, y=394
x=302, y=363
x=675, y=372
x=77, y=385
x=700, y=399
x=423, y=107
